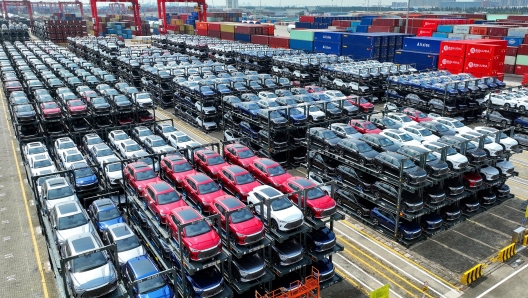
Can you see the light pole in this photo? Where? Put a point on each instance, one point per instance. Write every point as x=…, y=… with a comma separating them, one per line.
x=407, y=17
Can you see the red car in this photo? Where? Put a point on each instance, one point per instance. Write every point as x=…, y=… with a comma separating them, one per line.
x=244, y=227
x=50, y=110
x=364, y=126
x=199, y=241
x=139, y=175
x=363, y=104
x=268, y=172
x=472, y=180
x=319, y=204
x=209, y=162
x=313, y=88
x=145, y=116
x=239, y=154
x=202, y=190
x=124, y=119
x=237, y=181
x=174, y=168
x=87, y=95
x=76, y=107
x=12, y=86
x=161, y=198
x=416, y=115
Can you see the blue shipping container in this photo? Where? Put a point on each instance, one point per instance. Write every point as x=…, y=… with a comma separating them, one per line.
x=351, y=29
x=368, y=39
x=303, y=25
x=366, y=21
x=322, y=26
x=243, y=37
x=360, y=52
x=327, y=47
x=301, y=45
x=422, y=58
x=514, y=41
x=445, y=28
x=362, y=28
x=440, y=34
x=355, y=23
x=328, y=36
x=422, y=44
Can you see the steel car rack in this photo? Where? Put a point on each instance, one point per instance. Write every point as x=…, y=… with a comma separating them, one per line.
x=283, y=270
x=21, y=129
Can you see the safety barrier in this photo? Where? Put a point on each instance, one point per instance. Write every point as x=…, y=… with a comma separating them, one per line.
x=507, y=252
x=525, y=240
x=472, y=274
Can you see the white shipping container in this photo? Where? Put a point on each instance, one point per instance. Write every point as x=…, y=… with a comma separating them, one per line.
x=461, y=29
x=518, y=32
x=456, y=35
x=473, y=36
x=510, y=60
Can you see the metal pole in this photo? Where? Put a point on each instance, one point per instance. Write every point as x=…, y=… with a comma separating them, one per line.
x=407, y=17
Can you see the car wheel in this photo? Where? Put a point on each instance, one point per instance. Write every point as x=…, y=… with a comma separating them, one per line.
x=518, y=125
x=400, y=236
x=327, y=148
x=158, y=218
x=487, y=152
x=359, y=212
x=379, y=169
x=341, y=153
x=450, y=165
x=375, y=221
x=325, y=171
x=522, y=108
x=184, y=194
x=309, y=213
x=506, y=105
x=362, y=162
x=407, y=180
x=310, y=119
x=503, y=123
x=339, y=178
x=274, y=225
x=377, y=194
x=431, y=107
x=429, y=172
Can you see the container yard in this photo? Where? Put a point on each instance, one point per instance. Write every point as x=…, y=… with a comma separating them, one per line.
x=176, y=150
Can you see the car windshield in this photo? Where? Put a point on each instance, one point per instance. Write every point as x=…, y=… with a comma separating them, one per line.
x=150, y=285
x=431, y=157
x=470, y=146
x=167, y=198
x=421, y=115
x=425, y=132
x=128, y=243
x=488, y=140
x=407, y=164
x=276, y=171
x=385, y=142
x=76, y=103
x=208, y=187
x=457, y=124
x=314, y=109
x=405, y=137
x=406, y=119
x=72, y=221
x=215, y=160
x=450, y=151
x=197, y=228
x=181, y=167
x=245, y=154
x=99, y=100
x=370, y=126
x=42, y=163
x=281, y=204
x=145, y=175
x=253, y=106
x=104, y=152
x=133, y=147
x=60, y=192
x=88, y=262
x=74, y=157
x=36, y=150
x=363, y=147
x=83, y=173
x=25, y=108
x=350, y=130
x=158, y=143
x=114, y=167
x=441, y=127
x=120, y=137
x=241, y=215
x=503, y=136
x=244, y=178
x=108, y=214
x=329, y=135
x=362, y=100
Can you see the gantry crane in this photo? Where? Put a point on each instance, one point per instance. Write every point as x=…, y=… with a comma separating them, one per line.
x=201, y=8
x=38, y=6
x=18, y=4
x=135, y=9
x=65, y=4
x=116, y=8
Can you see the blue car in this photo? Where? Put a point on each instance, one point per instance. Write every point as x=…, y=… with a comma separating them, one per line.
x=521, y=122
x=325, y=268
x=249, y=129
x=394, y=95
x=431, y=222
x=321, y=240
x=320, y=97
x=204, y=283
x=206, y=91
x=249, y=108
x=104, y=213
x=296, y=116
x=406, y=230
x=143, y=267
x=222, y=89
x=84, y=179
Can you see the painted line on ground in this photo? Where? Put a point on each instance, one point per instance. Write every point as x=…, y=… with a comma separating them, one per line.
x=502, y=281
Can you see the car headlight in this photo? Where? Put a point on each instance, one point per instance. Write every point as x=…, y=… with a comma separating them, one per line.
x=318, y=243
x=194, y=250
x=162, y=214
x=240, y=234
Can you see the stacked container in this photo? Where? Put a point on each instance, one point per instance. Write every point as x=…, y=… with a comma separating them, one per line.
x=302, y=40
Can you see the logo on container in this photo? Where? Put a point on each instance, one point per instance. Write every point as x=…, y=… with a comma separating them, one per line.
x=327, y=47
x=327, y=37
x=450, y=62
x=478, y=51
x=511, y=41
x=476, y=65
x=428, y=23
x=451, y=48
x=423, y=45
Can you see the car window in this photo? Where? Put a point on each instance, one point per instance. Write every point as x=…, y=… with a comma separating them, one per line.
x=220, y=208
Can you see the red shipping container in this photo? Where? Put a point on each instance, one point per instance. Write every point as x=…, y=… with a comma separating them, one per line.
x=509, y=68
x=522, y=50
x=432, y=24
x=270, y=30
x=307, y=19
x=381, y=29
x=387, y=22
x=213, y=26
x=425, y=32
x=340, y=23
x=415, y=22
x=482, y=51
x=480, y=30
x=201, y=26
x=498, y=65
x=213, y=33
x=521, y=69
x=451, y=62
x=498, y=31
x=525, y=38
x=279, y=42
x=260, y=39
x=227, y=36
x=246, y=29
x=479, y=66
x=511, y=51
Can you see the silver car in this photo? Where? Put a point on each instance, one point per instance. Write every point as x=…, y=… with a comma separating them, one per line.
x=69, y=219
x=128, y=245
x=91, y=275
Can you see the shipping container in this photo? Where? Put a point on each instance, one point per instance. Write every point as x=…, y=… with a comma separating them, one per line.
x=279, y=42
x=259, y=39
x=421, y=44
x=334, y=37
x=482, y=66
x=213, y=33
x=510, y=60
x=445, y=28
x=451, y=62
x=509, y=68
x=518, y=32
x=213, y=26
x=425, y=32
x=306, y=35
x=363, y=39
x=227, y=35
x=307, y=19
x=482, y=51
x=229, y=28
x=360, y=51
x=514, y=41
x=522, y=60
x=303, y=25
x=327, y=47
x=498, y=31
x=200, y=25
x=461, y=29
x=242, y=37
x=421, y=58
x=301, y=45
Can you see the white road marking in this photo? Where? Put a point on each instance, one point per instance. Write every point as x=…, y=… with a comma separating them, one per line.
x=502, y=281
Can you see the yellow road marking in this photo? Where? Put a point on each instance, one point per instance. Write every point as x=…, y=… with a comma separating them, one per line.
x=198, y=133
x=351, y=280
x=397, y=274
x=400, y=254
x=28, y=215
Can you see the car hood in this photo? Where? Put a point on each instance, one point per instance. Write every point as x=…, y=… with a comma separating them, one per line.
x=28, y=113
x=323, y=235
x=159, y=293
x=206, y=278
x=370, y=154
x=210, y=197
x=248, y=186
x=432, y=218
x=317, y=113
x=181, y=175
x=167, y=208
x=392, y=148
x=115, y=175
x=412, y=143
x=505, y=165
x=324, y=202
x=411, y=227
x=489, y=170
x=164, y=149
x=289, y=248
x=103, y=275
x=289, y=214
x=416, y=172
x=280, y=178
x=464, y=129
x=376, y=131
x=431, y=138
x=62, y=235
x=126, y=255
x=334, y=141
x=250, y=264
x=86, y=180
x=204, y=241
x=247, y=161
x=248, y=227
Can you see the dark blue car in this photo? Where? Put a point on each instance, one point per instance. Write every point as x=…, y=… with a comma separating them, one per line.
x=321, y=240
x=249, y=129
x=222, y=89
x=431, y=222
x=326, y=269
x=205, y=283
x=142, y=267
x=104, y=213
x=521, y=122
x=85, y=178
x=296, y=116
x=406, y=230
x=249, y=108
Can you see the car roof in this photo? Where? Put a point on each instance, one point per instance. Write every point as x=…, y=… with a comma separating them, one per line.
x=142, y=267
x=395, y=155
x=200, y=177
x=267, y=162
x=81, y=243
x=66, y=208
x=104, y=203
x=120, y=230
x=231, y=203
x=269, y=191
x=187, y=214
x=235, y=169
x=161, y=186
x=305, y=183
x=415, y=148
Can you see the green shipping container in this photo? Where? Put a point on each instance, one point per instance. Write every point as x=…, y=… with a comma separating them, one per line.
x=494, y=17
x=522, y=60
x=305, y=35
x=230, y=28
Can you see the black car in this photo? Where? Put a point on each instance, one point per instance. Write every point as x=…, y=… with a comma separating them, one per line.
x=121, y=103
x=277, y=140
x=501, y=190
x=99, y=105
x=433, y=165
x=24, y=113
x=450, y=213
x=347, y=199
x=410, y=202
x=273, y=117
x=361, y=181
x=324, y=137
x=434, y=194
x=473, y=153
x=331, y=111
x=391, y=162
x=486, y=197
x=437, y=128
x=357, y=150
x=322, y=162
x=380, y=143
x=249, y=267
x=287, y=253
x=384, y=123
x=469, y=204
x=453, y=186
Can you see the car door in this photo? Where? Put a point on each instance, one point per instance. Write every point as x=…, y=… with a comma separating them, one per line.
x=221, y=212
x=151, y=200
x=260, y=172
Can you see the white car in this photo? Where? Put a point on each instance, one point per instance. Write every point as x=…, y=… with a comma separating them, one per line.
x=267, y=95
x=39, y=163
x=489, y=173
x=157, y=145
x=504, y=99
x=101, y=153
x=63, y=144
x=140, y=133
x=285, y=216
x=142, y=156
x=142, y=99
x=166, y=130
x=113, y=171
x=208, y=108
x=390, y=107
x=401, y=138
x=69, y=219
x=229, y=136
x=401, y=119
x=455, y=160
x=116, y=137
x=419, y=133
x=344, y=130
x=206, y=124
x=318, y=180
x=69, y=157
x=91, y=140
x=507, y=142
x=314, y=113
x=33, y=148
x=491, y=148
x=128, y=148
x=179, y=140
x=453, y=124
x=335, y=94
x=55, y=191
x=128, y=245
x=505, y=167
